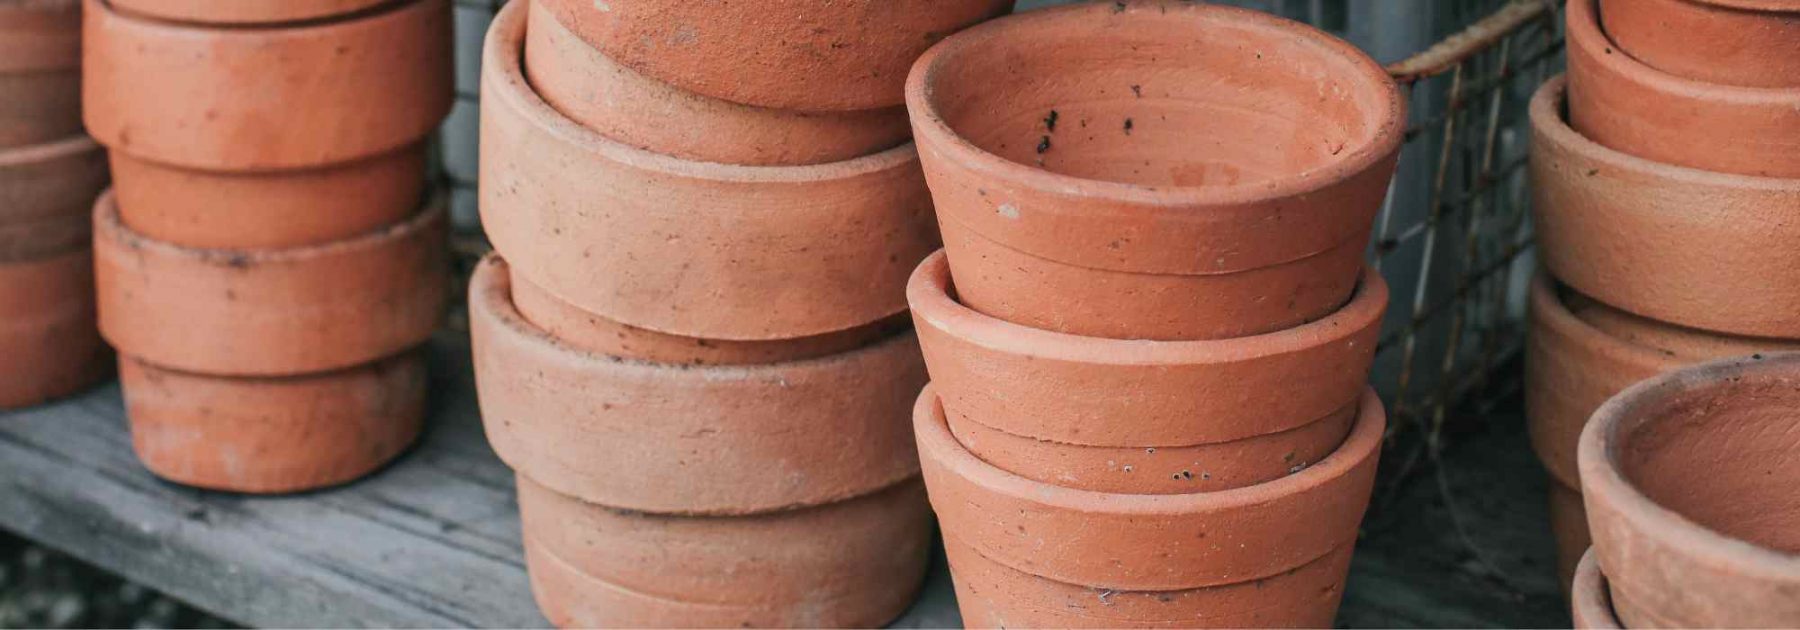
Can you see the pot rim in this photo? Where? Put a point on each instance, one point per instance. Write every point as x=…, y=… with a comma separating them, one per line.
x=255, y=30
x=1763, y=6
x=46, y=151
x=107, y=220
x=1556, y=313
x=1590, y=595
x=1585, y=33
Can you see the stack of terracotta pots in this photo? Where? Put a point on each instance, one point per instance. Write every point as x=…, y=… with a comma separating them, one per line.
x=1150, y=331
x=691, y=344
x=269, y=261
x=1666, y=175
x=50, y=172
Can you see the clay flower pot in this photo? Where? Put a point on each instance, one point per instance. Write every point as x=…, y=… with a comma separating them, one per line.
x=1589, y=601
x=692, y=248
x=1666, y=242
x=245, y=12
x=46, y=194
x=40, y=71
x=273, y=434
x=1106, y=169
x=786, y=54
x=1047, y=406
x=330, y=146
x=1689, y=485
x=590, y=88
x=1249, y=564
x=1734, y=42
x=689, y=440
x=1619, y=102
x=856, y=564
x=48, y=345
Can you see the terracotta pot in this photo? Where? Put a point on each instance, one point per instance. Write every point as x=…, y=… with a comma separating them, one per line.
x=646, y=239
x=1589, y=601
x=1664, y=241
x=40, y=71
x=855, y=564
x=1069, y=182
x=1621, y=103
x=245, y=12
x=271, y=312
x=1735, y=42
x=48, y=345
x=273, y=435
x=689, y=440
x=601, y=94
x=46, y=192
x=786, y=54
x=1568, y=524
x=1140, y=542
x=1688, y=479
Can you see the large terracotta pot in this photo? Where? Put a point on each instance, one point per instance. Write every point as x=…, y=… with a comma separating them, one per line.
x=46, y=193
x=603, y=95
x=1689, y=481
x=1108, y=169
x=684, y=439
x=857, y=563
x=40, y=71
x=48, y=345
x=246, y=12
x=692, y=248
x=787, y=54
x=1663, y=241
x=1589, y=601
x=1048, y=405
x=1619, y=102
x=1735, y=42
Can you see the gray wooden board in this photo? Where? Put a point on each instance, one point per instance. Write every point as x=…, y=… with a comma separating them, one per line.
x=432, y=540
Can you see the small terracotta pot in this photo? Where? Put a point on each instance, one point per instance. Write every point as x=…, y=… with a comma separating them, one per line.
x=1689, y=485
x=1589, y=601
x=48, y=345
x=607, y=97
x=678, y=439
x=1061, y=150
x=273, y=435
x=40, y=71
x=855, y=564
x=1664, y=241
x=46, y=192
x=1734, y=42
x=692, y=248
x=786, y=54
x=245, y=12
x=1621, y=103
x=271, y=312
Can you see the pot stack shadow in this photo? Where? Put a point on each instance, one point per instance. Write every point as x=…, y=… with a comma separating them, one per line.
x=1666, y=179
x=50, y=172
x=691, y=344
x=269, y=261
x=1150, y=330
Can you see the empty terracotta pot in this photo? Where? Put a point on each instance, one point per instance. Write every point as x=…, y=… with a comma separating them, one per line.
x=46, y=193
x=786, y=54
x=1589, y=601
x=1689, y=482
x=48, y=345
x=590, y=88
x=245, y=12
x=271, y=312
x=273, y=434
x=1155, y=169
x=1619, y=102
x=692, y=248
x=1735, y=42
x=40, y=71
x=683, y=439
x=856, y=563
x=1664, y=241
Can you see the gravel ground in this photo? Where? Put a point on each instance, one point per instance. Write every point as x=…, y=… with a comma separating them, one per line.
x=40, y=588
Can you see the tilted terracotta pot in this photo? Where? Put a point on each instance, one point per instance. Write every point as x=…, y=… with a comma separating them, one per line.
x=787, y=54
x=1589, y=601
x=40, y=71
x=1735, y=42
x=590, y=88
x=689, y=440
x=46, y=193
x=48, y=345
x=1666, y=242
x=692, y=248
x=273, y=434
x=1154, y=169
x=271, y=312
x=1689, y=481
x=245, y=12
x=1621, y=103
x=857, y=563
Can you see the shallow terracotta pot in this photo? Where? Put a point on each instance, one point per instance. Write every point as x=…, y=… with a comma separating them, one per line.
x=48, y=345
x=245, y=12
x=40, y=71
x=603, y=95
x=272, y=435
x=647, y=239
x=1136, y=194
x=1664, y=241
x=1689, y=482
x=689, y=440
x=1734, y=42
x=1589, y=601
x=271, y=312
x=1622, y=103
x=786, y=54
x=46, y=192
x=856, y=563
